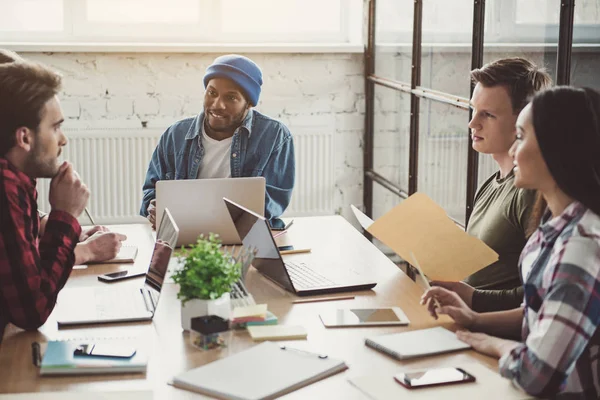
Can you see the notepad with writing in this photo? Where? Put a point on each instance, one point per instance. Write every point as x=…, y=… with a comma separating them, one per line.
x=126, y=255
x=264, y=371
x=419, y=343
x=60, y=360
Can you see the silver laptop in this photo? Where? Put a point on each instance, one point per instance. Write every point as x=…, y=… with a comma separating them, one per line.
x=297, y=277
x=197, y=205
x=100, y=305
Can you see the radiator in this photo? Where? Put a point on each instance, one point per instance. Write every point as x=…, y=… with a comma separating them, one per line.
x=113, y=163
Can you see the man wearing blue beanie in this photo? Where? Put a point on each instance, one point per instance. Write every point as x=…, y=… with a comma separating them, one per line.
x=228, y=139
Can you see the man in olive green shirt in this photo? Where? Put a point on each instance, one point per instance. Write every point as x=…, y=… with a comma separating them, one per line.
x=502, y=213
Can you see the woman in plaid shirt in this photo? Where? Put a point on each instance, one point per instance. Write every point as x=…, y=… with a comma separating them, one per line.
x=558, y=153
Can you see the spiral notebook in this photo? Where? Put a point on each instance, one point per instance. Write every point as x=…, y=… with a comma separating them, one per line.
x=419, y=343
x=282, y=370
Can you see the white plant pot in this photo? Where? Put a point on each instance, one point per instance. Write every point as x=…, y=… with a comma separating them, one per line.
x=199, y=308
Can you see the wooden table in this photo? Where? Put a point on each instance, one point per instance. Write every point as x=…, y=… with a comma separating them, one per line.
x=335, y=244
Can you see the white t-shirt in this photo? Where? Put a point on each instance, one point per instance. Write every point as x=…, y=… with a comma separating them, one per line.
x=216, y=162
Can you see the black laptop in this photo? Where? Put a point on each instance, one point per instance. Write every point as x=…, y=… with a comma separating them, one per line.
x=301, y=278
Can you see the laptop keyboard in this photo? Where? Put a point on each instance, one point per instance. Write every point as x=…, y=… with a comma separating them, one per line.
x=119, y=303
x=304, y=277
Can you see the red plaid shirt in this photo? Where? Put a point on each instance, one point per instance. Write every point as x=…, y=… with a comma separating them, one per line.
x=32, y=270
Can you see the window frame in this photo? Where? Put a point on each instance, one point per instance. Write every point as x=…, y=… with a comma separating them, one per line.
x=78, y=31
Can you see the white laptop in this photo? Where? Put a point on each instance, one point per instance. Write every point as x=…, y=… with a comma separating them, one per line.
x=100, y=305
x=197, y=205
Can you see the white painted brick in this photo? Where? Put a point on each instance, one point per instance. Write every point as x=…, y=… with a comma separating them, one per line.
x=70, y=108
x=92, y=109
x=345, y=122
x=343, y=102
x=145, y=106
x=119, y=107
x=170, y=106
x=192, y=105
x=83, y=87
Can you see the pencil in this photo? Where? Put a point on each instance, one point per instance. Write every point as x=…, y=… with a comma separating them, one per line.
x=322, y=299
x=87, y=212
x=295, y=251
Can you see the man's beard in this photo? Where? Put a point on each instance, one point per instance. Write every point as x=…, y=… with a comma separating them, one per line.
x=235, y=122
x=40, y=166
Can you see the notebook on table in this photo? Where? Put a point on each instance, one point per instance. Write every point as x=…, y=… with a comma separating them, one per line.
x=277, y=332
x=282, y=370
x=126, y=255
x=419, y=343
x=59, y=359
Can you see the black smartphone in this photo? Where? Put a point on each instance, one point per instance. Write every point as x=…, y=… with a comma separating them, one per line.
x=433, y=377
x=277, y=224
x=104, y=350
x=120, y=275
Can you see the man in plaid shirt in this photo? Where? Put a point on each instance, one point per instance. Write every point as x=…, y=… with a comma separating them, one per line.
x=34, y=269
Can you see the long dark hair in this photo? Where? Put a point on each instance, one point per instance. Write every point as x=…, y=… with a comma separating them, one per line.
x=567, y=126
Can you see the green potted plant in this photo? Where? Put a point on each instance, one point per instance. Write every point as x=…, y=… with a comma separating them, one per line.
x=205, y=280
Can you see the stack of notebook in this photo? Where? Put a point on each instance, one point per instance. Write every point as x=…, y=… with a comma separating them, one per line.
x=59, y=359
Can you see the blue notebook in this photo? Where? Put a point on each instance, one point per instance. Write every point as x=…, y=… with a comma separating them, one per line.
x=59, y=359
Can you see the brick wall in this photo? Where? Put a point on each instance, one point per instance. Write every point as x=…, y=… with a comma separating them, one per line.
x=301, y=90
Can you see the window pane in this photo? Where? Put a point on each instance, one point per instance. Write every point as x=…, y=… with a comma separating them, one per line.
x=537, y=43
x=391, y=129
x=393, y=36
x=446, y=67
x=143, y=11
x=542, y=11
x=452, y=19
x=587, y=12
x=17, y=16
x=443, y=152
x=585, y=60
x=283, y=16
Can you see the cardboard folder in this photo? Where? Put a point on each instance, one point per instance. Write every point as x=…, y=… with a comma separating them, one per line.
x=444, y=250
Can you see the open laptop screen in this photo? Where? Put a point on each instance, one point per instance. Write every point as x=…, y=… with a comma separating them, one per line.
x=254, y=232
x=166, y=238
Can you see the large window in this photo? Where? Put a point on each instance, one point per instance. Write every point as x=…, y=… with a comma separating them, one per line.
x=181, y=21
x=426, y=147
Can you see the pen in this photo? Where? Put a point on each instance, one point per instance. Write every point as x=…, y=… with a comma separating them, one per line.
x=427, y=285
x=288, y=225
x=295, y=251
x=87, y=212
x=279, y=234
x=322, y=299
x=36, y=357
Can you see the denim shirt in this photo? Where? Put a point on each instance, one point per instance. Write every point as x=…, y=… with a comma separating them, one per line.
x=261, y=146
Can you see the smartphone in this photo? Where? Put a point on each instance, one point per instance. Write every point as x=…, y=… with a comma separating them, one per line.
x=433, y=377
x=277, y=224
x=104, y=350
x=120, y=275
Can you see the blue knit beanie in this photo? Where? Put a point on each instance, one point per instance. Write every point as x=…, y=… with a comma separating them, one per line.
x=242, y=70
